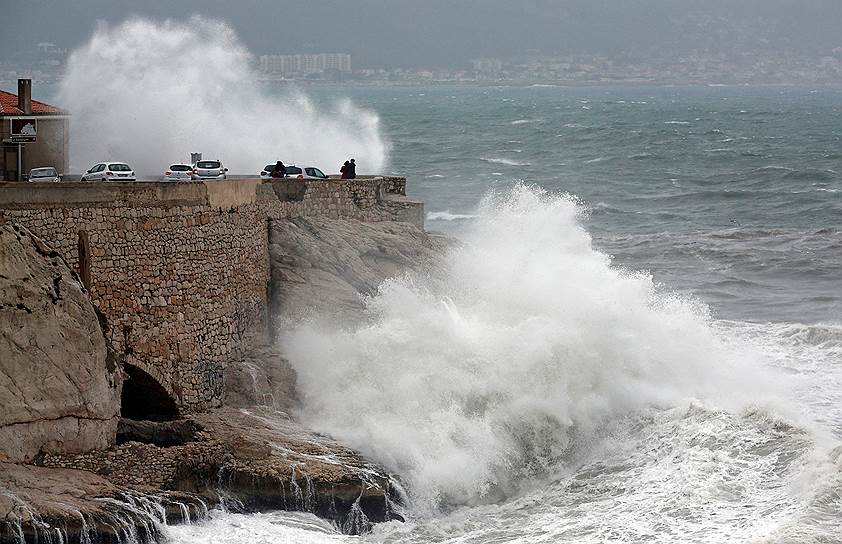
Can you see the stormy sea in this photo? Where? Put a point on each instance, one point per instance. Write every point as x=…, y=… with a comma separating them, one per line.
x=638, y=337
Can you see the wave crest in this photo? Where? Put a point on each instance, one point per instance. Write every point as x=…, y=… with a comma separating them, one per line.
x=520, y=351
x=152, y=92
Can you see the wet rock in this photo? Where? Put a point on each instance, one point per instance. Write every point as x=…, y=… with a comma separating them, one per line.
x=39, y=504
x=161, y=433
x=251, y=459
x=261, y=377
x=277, y=463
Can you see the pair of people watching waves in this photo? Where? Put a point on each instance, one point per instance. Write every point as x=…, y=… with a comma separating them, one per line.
x=349, y=170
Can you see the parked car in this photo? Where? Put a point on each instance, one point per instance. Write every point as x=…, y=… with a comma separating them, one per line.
x=110, y=171
x=266, y=173
x=179, y=172
x=310, y=172
x=292, y=171
x=209, y=170
x=44, y=173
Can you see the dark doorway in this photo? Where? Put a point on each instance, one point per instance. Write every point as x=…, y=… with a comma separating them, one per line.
x=144, y=398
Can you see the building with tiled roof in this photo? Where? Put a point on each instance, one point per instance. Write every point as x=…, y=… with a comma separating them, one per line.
x=20, y=117
x=9, y=106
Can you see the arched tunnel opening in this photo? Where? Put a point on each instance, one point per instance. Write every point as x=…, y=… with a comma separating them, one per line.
x=149, y=413
x=144, y=398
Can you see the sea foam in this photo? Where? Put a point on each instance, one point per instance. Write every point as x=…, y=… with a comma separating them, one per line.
x=520, y=351
x=503, y=160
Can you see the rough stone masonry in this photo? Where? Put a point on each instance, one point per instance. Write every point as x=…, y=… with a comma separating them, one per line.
x=180, y=270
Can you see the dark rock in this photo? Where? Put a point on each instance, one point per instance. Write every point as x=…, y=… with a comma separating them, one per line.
x=160, y=433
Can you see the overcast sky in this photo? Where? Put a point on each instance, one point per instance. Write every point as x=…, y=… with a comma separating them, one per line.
x=432, y=33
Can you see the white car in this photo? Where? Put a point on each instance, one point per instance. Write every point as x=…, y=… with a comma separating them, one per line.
x=110, y=171
x=266, y=173
x=179, y=172
x=305, y=172
x=209, y=170
x=44, y=173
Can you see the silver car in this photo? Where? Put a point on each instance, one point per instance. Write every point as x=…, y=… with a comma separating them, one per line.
x=44, y=173
x=110, y=171
x=209, y=170
x=179, y=172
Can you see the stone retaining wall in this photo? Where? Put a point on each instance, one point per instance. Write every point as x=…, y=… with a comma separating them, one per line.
x=180, y=270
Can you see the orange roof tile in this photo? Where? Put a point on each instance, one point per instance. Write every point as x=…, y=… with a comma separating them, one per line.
x=9, y=106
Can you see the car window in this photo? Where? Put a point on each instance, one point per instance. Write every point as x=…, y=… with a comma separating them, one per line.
x=179, y=168
x=318, y=173
x=43, y=173
x=293, y=170
x=119, y=167
x=310, y=171
x=208, y=164
x=99, y=168
x=269, y=168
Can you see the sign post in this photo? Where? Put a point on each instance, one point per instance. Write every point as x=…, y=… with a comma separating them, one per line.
x=23, y=130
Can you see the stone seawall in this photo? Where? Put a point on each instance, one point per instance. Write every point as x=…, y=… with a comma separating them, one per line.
x=180, y=270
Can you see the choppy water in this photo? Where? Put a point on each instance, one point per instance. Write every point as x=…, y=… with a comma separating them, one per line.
x=655, y=358
x=728, y=192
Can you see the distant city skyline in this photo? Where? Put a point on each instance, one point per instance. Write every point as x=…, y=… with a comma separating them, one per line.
x=691, y=68
x=304, y=64
x=450, y=33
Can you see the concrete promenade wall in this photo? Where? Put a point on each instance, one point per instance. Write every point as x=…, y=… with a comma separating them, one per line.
x=181, y=270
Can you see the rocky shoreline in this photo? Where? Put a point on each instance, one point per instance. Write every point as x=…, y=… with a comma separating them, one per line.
x=249, y=455
x=242, y=460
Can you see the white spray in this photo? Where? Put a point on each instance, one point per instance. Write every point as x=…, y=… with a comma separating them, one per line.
x=532, y=343
x=151, y=92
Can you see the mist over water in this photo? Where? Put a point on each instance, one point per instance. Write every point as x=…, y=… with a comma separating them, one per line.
x=537, y=390
x=151, y=92
x=507, y=365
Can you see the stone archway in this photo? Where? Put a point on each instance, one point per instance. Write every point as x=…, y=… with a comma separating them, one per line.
x=144, y=398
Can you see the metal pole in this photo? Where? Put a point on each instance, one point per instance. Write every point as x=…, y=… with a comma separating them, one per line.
x=20, y=162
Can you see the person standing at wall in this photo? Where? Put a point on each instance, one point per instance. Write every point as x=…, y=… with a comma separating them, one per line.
x=352, y=169
x=279, y=170
x=344, y=170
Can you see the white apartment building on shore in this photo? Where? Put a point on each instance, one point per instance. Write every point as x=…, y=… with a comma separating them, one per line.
x=303, y=64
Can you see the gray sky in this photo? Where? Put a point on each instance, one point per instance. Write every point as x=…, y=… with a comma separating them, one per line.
x=448, y=33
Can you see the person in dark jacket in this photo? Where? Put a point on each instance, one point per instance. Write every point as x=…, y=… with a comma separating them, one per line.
x=279, y=170
x=352, y=169
x=344, y=170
